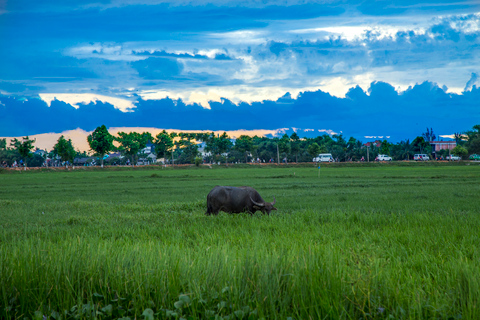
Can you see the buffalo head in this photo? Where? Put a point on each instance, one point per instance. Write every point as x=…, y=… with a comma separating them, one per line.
x=265, y=207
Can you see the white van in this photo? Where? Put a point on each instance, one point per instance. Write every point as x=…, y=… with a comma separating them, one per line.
x=324, y=157
x=421, y=157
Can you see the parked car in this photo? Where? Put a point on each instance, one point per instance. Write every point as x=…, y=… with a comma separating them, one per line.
x=421, y=157
x=324, y=157
x=474, y=157
x=453, y=158
x=383, y=157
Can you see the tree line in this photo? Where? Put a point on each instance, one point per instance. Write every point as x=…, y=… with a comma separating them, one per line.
x=183, y=147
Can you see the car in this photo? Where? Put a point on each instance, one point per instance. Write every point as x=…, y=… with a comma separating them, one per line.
x=474, y=157
x=383, y=157
x=453, y=158
x=421, y=157
x=324, y=157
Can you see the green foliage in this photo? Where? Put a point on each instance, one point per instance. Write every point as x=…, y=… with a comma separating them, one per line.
x=244, y=144
x=187, y=149
x=442, y=153
x=419, y=145
x=101, y=141
x=164, y=144
x=313, y=149
x=131, y=143
x=403, y=150
x=9, y=156
x=216, y=145
x=460, y=151
x=64, y=149
x=473, y=140
x=198, y=161
x=284, y=145
x=385, y=147
x=3, y=144
x=36, y=160
x=223, y=143
x=24, y=147
x=295, y=145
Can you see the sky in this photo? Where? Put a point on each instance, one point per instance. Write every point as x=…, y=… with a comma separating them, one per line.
x=367, y=69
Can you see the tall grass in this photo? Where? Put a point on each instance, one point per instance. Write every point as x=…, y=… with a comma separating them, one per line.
x=370, y=243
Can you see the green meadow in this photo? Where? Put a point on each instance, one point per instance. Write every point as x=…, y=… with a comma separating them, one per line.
x=380, y=241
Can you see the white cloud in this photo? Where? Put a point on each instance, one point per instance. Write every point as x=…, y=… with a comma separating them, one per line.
x=76, y=99
x=235, y=94
x=328, y=131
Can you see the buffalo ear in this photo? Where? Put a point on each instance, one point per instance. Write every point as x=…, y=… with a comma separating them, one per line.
x=257, y=207
x=273, y=208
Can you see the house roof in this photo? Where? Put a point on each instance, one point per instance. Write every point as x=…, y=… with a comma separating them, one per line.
x=443, y=142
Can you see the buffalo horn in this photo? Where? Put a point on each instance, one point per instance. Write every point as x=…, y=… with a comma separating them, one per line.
x=256, y=203
x=274, y=200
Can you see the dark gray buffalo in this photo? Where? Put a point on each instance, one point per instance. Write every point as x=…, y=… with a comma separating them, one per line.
x=235, y=200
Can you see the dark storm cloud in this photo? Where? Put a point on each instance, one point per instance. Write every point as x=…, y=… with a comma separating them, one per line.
x=383, y=110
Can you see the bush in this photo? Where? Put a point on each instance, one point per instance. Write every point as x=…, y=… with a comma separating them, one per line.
x=198, y=161
x=460, y=151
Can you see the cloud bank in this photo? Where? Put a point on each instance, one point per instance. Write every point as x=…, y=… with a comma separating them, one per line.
x=378, y=111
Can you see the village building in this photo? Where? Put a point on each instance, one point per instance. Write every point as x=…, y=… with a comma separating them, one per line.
x=442, y=145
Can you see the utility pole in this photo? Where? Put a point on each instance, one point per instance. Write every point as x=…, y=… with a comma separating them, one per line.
x=368, y=154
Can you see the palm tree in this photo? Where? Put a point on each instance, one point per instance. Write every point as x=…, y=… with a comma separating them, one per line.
x=406, y=149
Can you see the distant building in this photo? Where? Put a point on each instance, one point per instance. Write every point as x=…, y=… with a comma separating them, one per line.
x=150, y=148
x=40, y=152
x=442, y=145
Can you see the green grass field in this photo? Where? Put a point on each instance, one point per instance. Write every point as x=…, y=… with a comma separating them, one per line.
x=365, y=242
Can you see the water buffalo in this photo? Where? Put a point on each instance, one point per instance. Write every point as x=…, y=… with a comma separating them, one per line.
x=235, y=200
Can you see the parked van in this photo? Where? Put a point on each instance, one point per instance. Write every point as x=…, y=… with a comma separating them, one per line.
x=421, y=157
x=324, y=157
x=383, y=157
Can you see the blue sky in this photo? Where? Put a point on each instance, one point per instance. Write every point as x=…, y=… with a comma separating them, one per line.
x=363, y=68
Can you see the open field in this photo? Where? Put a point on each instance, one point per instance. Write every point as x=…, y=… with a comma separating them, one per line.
x=362, y=242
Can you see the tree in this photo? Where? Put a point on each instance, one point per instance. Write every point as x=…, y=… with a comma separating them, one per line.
x=295, y=145
x=460, y=151
x=429, y=135
x=24, y=148
x=313, y=149
x=224, y=144
x=284, y=145
x=405, y=150
x=473, y=140
x=419, y=145
x=337, y=146
x=3, y=144
x=164, y=144
x=244, y=144
x=131, y=143
x=64, y=149
x=217, y=145
x=101, y=142
x=189, y=150
x=458, y=138
x=385, y=147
